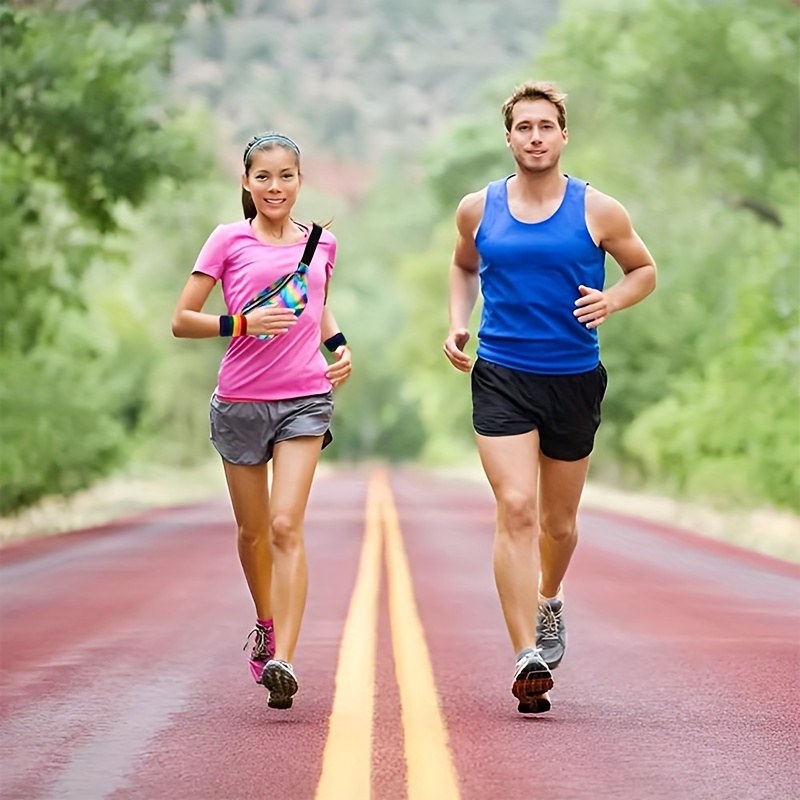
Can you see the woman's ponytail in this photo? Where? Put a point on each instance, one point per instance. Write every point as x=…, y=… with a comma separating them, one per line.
x=248, y=206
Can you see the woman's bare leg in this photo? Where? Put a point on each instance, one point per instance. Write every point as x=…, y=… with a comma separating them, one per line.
x=294, y=464
x=249, y=495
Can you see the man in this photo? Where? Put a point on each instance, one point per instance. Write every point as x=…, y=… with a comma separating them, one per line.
x=534, y=245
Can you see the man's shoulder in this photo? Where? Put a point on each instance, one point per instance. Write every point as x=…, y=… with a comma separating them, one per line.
x=472, y=204
x=474, y=199
x=478, y=198
x=470, y=211
x=602, y=204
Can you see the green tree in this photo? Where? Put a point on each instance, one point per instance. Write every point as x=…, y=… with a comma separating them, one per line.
x=83, y=133
x=688, y=113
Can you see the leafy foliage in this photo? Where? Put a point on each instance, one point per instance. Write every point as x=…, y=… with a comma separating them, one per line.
x=82, y=133
x=687, y=112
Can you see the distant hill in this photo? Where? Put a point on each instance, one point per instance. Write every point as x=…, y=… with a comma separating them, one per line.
x=353, y=80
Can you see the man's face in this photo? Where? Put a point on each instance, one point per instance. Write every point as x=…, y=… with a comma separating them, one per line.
x=535, y=138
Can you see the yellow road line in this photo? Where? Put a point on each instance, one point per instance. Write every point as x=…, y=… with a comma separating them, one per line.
x=431, y=775
x=347, y=759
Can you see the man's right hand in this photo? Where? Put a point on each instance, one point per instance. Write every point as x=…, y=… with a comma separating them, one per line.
x=454, y=349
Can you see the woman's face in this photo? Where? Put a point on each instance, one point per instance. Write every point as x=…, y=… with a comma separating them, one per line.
x=273, y=181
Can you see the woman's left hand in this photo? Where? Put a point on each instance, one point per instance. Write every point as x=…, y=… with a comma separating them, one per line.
x=593, y=307
x=339, y=371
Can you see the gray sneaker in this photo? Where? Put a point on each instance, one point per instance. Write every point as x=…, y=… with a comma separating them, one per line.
x=551, y=633
x=532, y=681
x=279, y=678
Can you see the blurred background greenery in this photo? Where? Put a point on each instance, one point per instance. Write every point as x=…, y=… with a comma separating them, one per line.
x=122, y=127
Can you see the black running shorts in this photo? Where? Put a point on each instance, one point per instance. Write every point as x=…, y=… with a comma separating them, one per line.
x=565, y=409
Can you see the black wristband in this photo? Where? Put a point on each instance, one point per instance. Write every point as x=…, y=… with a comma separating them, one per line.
x=336, y=341
x=226, y=325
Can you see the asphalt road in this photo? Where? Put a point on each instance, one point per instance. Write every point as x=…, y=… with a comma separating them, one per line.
x=123, y=676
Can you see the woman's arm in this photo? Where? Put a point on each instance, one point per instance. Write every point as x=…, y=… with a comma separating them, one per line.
x=189, y=321
x=339, y=371
x=329, y=327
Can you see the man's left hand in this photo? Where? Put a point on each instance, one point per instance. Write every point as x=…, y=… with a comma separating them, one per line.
x=593, y=307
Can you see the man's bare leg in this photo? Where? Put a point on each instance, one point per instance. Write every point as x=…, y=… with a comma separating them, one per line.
x=560, y=487
x=511, y=466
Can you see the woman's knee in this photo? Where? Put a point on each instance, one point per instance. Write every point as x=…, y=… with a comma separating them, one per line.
x=287, y=532
x=253, y=535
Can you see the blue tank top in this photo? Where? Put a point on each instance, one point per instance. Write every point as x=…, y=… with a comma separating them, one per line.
x=530, y=273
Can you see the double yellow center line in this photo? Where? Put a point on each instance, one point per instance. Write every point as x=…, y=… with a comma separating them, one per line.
x=347, y=760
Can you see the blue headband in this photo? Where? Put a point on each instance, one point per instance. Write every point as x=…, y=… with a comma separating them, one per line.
x=274, y=138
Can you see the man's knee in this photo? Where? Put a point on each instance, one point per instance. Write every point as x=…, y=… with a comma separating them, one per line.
x=517, y=513
x=558, y=527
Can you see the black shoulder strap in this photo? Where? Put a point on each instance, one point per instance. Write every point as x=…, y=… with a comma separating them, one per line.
x=311, y=244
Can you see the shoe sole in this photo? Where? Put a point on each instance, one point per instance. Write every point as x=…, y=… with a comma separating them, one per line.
x=531, y=684
x=281, y=686
x=280, y=701
x=537, y=705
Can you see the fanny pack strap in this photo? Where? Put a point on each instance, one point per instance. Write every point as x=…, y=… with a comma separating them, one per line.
x=311, y=244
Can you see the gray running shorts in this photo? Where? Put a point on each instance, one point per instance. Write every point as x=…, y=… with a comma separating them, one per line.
x=245, y=433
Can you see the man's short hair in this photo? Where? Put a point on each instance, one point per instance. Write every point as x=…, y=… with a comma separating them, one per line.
x=537, y=90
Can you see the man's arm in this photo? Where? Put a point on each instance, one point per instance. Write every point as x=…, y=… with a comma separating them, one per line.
x=611, y=228
x=464, y=281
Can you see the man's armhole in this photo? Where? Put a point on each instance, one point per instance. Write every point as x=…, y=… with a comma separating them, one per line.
x=594, y=234
x=484, y=193
x=477, y=207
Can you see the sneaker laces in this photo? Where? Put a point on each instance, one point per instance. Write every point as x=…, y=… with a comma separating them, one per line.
x=261, y=644
x=549, y=622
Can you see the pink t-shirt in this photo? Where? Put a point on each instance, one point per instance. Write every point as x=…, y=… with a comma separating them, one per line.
x=290, y=364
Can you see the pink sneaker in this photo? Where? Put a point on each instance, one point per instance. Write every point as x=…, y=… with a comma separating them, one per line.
x=263, y=649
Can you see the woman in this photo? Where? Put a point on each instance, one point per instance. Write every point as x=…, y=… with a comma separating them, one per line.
x=274, y=393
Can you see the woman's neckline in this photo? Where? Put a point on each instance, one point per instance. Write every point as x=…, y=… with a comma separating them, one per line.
x=302, y=240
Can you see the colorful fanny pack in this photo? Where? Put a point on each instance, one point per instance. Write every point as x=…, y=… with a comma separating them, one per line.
x=290, y=291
